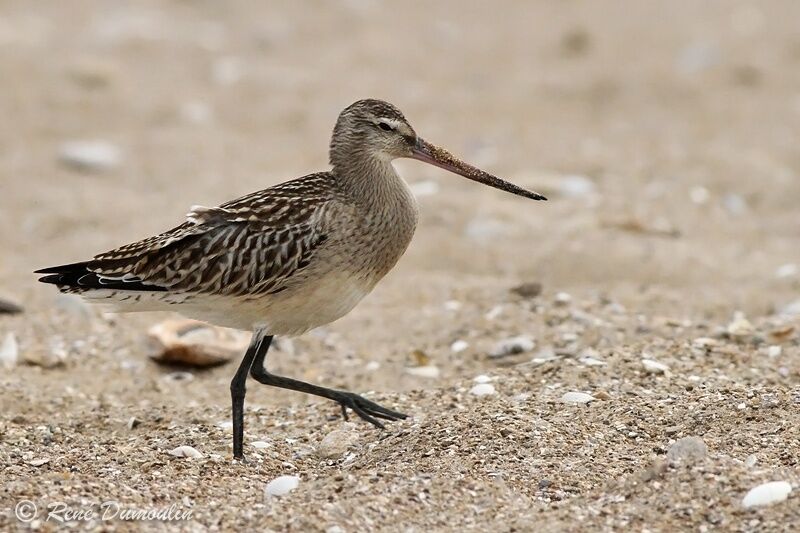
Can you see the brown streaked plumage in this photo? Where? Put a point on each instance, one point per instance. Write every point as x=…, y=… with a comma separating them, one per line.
x=285, y=259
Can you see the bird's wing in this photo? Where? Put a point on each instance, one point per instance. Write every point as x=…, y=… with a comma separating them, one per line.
x=248, y=246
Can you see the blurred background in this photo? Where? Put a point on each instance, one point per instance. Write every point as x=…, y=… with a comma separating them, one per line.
x=665, y=133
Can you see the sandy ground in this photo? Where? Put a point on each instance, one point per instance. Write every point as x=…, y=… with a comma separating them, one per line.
x=666, y=135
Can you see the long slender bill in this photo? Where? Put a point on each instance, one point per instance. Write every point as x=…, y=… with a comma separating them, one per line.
x=439, y=157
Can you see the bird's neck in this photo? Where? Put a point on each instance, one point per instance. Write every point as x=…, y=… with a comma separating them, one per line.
x=371, y=180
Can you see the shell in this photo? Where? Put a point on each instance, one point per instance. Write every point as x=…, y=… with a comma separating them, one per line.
x=192, y=343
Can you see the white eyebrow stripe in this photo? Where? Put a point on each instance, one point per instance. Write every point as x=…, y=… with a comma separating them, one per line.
x=390, y=121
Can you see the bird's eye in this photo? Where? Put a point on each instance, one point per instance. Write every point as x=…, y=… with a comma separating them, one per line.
x=385, y=126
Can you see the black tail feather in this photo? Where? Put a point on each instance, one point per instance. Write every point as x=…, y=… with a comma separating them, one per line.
x=78, y=276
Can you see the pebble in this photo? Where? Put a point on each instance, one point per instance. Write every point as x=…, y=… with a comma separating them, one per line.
x=483, y=378
x=483, y=389
x=9, y=351
x=562, y=299
x=10, y=308
x=589, y=357
x=654, y=367
x=428, y=371
x=372, y=366
x=530, y=289
x=792, y=309
x=90, y=156
x=193, y=343
x=767, y=494
x=774, y=351
x=132, y=422
x=186, y=451
x=788, y=270
x=687, y=450
x=751, y=461
x=337, y=442
x=459, y=346
x=512, y=346
x=740, y=327
x=576, y=397
x=282, y=485
x=259, y=444
x=39, y=462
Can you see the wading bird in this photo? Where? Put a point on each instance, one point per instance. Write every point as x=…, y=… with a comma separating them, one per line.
x=286, y=259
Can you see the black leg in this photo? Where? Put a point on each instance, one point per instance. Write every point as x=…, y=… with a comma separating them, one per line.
x=258, y=344
x=364, y=408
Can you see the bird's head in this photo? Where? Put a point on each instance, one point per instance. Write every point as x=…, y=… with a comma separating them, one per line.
x=376, y=130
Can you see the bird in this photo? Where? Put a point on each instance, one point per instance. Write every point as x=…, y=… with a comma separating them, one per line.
x=286, y=259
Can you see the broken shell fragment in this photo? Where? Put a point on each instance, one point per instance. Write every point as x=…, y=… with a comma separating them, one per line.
x=193, y=343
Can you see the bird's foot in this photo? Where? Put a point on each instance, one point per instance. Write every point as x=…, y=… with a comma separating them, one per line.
x=367, y=409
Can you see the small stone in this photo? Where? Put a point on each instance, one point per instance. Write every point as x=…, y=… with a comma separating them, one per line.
x=459, y=346
x=562, y=299
x=767, y=494
x=132, y=422
x=774, y=351
x=483, y=389
x=334, y=529
x=10, y=308
x=372, y=366
x=338, y=442
x=530, y=289
x=427, y=371
x=483, y=378
x=792, y=309
x=512, y=346
x=39, y=462
x=9, y=351
x=452, y=305
x=225, y=425
x=282, y=485
x=740, y=327
x=186, y=451
x=576, y=397
x=90, y=156
x=654, y=367
x=259, y=444
x=494, y=312
x=751, y=461
x=705, y=342
x=589, y=357
x=788, y=270
x=601, y=395
x=687, y=450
